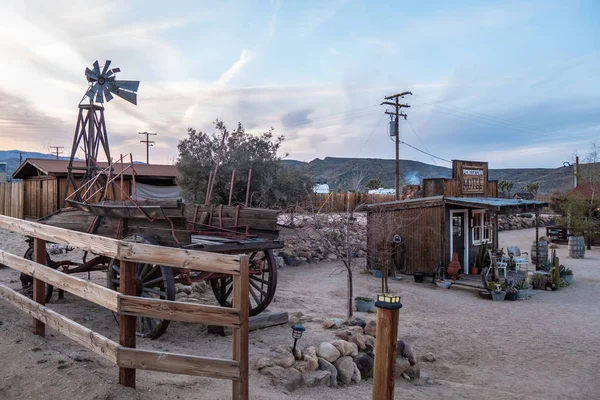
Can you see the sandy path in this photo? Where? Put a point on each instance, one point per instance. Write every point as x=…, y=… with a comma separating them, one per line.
x=544, y=348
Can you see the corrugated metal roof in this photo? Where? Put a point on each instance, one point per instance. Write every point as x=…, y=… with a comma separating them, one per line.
x=59, y=167
x=495, y=202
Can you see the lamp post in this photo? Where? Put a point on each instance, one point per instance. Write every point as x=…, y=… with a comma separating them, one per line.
x=386, y=346
x=297, y=331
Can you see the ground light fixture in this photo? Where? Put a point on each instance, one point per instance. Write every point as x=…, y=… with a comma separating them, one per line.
x=389, y=301
x=297, y=331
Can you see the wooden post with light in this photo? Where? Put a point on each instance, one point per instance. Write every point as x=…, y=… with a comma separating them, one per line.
x=386, y=346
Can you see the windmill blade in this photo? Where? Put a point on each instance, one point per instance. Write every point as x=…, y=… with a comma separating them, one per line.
x=107, y=94
x=90, y=93
x=95, y=87
x=125, y=95
x=91, y=75
x=106, y=66
x=131, y=86
x=96, y=68
x=99, y=97
x=116, y=69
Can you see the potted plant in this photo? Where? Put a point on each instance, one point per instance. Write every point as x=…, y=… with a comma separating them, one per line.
x=511, y=292
x=566, y=274
x=522, y=288
x=364, y=304
x=539, y=281
x=419, y=276
x=496, y=288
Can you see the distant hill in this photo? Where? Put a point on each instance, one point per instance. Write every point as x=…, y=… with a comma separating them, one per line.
x=339, y=173
x=11, y=158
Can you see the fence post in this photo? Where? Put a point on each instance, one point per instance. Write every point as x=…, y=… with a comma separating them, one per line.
x=127, y=323
x=39, y=287
x=240, y=335
x=386, y=346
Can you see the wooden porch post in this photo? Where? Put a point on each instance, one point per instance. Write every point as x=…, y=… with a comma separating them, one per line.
x=127, y=323
x=240, y=388
x=39, y=287
x=537, y=240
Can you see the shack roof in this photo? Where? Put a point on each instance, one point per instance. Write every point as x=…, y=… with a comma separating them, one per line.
x=490, y=203
x=50, y=167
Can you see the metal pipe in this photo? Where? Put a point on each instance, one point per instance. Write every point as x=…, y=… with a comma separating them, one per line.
x=248, y=186
x=231, y=187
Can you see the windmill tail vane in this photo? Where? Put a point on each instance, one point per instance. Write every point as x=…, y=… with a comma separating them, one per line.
x=103, y=84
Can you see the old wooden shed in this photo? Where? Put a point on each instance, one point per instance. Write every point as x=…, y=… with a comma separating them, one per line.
x=45, y=181
x=456, y=215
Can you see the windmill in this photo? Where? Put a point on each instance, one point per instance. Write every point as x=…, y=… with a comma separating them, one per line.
x=90, y=131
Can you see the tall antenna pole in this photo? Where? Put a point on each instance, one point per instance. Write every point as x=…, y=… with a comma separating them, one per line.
x=397, y=114
x=56, y=148
x=148, y=144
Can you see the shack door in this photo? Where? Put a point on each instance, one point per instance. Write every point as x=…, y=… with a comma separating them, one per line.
x=458, y=236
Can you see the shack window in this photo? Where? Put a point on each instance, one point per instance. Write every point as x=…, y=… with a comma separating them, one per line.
x=482, y=228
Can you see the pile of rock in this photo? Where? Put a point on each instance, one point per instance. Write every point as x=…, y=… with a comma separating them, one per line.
x=192, y=293
x=522, y=221
x=344, y=361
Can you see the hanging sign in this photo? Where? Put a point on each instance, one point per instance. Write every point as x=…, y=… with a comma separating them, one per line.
x=473, y=180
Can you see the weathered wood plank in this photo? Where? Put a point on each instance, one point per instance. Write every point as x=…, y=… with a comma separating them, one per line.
x=39, y=287
x=177, y=363
x=266, y=320
x=79, y=333
x=179, y=311
x=126, y=322
x=240, y=388
x=79, y=287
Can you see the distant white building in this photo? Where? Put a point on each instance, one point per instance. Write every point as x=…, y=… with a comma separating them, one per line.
x=322, y=188
x=382, y=191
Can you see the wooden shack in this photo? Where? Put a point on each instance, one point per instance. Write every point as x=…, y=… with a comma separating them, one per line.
x=455, y=215
x=45, y=181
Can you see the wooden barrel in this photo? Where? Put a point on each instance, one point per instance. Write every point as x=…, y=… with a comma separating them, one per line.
x=542, y=258
x=576, y=246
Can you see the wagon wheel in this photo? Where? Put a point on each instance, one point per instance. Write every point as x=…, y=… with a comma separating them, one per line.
x=27, y=280
x=262, y=283
x=152, y=281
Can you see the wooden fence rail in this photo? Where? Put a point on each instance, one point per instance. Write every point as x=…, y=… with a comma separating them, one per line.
x=124, y=354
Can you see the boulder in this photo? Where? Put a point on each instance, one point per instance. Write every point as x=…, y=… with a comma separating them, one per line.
x=325, y=365
x=360, y=340
x=356, y=329
x=429, y=357
x=364, y=363
x=344, y=335
x=356, y=321
x=345, y=367
x=264, y=362
x=346, y=348
x=332, y=323
x=356, y=375
x=332, y=257
x=406, y=351
x=282, y=356
x=316, y=378
x=371, y=328
x=274, y=372
x=309, y=351
x=328, y=352
x=291, y=379
x=370, y=340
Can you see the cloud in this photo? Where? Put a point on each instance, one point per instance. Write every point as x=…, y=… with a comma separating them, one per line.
x=297, y=117
x=333, y=51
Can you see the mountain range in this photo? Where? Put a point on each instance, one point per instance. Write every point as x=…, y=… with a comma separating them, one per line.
x=343, y=173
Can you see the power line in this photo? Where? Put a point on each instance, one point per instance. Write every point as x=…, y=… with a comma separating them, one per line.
x=148, y=144
x=423, y=144
x=425, y=152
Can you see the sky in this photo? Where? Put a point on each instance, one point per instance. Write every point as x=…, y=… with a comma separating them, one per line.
x=514, y=83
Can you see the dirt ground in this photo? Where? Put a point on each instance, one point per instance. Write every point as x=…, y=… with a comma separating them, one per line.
x=547, y=347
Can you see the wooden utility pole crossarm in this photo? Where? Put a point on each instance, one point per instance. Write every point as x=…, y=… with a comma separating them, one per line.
x=148, y=144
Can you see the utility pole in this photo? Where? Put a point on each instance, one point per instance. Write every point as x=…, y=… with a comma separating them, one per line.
x=397, y=114
x=56, y=148
x=148, y=144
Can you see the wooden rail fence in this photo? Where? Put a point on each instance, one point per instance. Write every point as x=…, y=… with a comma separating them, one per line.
x=124, y=354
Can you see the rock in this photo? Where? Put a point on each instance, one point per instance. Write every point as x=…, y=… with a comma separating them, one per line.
x=186, y=289
x=325, y=365
x=406, y=377
x=274, y=372
x=264, y=362
x=429, y=381
x=302, y=259
x=283, y=357
x=344, y=335
x=406, y=351
x=279, y=261
x=288, y=259
x=316, y=378
x=429, y=357
x=371, y=328
x=291, y=379
x=356, y=375
x=370, y=341
x=297, y=354
x=312, y=363
x=345, y=367
x=414, y=371
x=364, y=363
x=402, y=365
x=346, y=348
x=328, y=352
x=309, y=351
x=356, y=329
x=339, y=345
x=332, y=323
x=360, y=341
x=356, y=321
x=332, y=257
